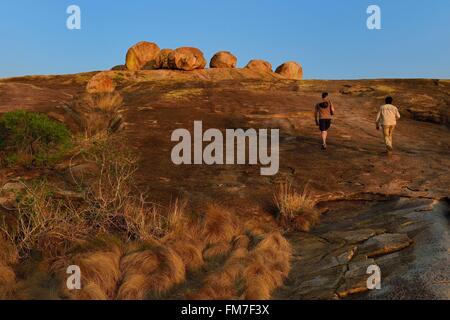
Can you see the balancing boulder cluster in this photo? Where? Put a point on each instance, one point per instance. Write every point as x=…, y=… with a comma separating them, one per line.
x=148, y=56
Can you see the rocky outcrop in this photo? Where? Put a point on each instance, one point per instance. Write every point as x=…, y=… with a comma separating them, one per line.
x=100, y=83
x=259, y=65
x=223, y=59
x=336, y=260
x=162, y=61
x=385, y=244
x=141, y=54
x=291, y=70
x=187, y=59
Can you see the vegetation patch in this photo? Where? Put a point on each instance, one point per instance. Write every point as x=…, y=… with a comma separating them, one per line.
x=29, y=138
x=182, y=94
x=296, y=211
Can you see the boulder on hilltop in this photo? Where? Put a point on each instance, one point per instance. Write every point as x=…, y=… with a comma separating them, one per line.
x=223, y=59
x=187, y=59
x=161, y=61
x=141, y=54
x=259, y=65
x=100, y=83
x=291, y=70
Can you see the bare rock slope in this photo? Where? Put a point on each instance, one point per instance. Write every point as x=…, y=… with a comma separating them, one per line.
x=389, y=211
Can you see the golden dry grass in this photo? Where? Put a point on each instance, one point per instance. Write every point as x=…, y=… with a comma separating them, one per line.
x=268, y=266
x=96, y=112
x=152, y=268
x=146, y=222
x=162, y=243
x=217, y=249
x=219, y=225
x=105, y=102
x=8, y=252
x=91, y=291
x=190, y=254
x=7, y=281
x=100, y=272
x=8, y=257
x=251, y=275
x=186, y=93
x=182, y=237
x=296, y=210
x=221, y=285
x=150, y=271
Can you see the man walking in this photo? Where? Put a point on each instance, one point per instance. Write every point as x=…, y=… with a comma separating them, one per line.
x=323, y=115
x=387, y=118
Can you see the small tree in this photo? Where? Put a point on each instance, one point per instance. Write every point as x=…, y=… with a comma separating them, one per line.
x=32, y=138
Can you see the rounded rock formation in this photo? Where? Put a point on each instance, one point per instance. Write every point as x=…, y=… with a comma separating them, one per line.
x=259, y=65
x=223, y=59
x=163, y=59
x=186, y=59
x=141, y=54
x=100, y=83
x=160, y=62
x=291, y=70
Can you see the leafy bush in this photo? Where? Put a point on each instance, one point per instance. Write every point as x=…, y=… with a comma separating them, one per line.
x=32, y=138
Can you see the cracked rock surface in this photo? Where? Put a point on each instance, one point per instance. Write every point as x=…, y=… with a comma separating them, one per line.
x=409, y=242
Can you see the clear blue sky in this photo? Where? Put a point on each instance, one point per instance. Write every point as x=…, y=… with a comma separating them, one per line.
x=329, y=37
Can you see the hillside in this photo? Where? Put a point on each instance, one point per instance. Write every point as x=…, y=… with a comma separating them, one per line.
x=392, y=211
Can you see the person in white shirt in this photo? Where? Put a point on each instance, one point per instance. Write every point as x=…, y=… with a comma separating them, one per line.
x=387, y=118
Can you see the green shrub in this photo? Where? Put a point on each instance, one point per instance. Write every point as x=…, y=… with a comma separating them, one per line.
x=32, y=138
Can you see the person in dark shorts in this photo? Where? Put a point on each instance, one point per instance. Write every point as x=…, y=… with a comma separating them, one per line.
x=324, y=115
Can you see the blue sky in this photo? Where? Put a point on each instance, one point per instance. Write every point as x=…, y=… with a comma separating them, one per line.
x=328, y=37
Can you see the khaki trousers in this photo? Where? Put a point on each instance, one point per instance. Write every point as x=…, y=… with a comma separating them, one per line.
x=388, y=132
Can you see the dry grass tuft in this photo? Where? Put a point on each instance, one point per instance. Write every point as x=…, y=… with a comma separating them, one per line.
x=8, y=252
x=150, y=271
x=222, y=285
x=7, y=281
x=105, y=102
x=268, y=266
x=95, y=113
x=296, y=211
x=91, y=291
x=240, y=247
x=149, y=221
x=190, y=254
x=100, y=271
x=251, y=275
x=182, y=237
x=218, y=249
x=219, y=225
x=8, y=257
